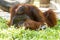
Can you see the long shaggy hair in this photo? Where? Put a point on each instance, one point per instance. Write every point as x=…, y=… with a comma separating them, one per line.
x=34, y=18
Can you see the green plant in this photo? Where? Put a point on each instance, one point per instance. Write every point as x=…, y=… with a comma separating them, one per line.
x=12, y=33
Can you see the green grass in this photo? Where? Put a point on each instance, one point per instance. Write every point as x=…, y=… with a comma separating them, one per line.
x=12, y=33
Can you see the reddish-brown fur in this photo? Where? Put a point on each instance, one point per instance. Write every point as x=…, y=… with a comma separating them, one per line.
x=33, y=24
x=50, y=17
x=36, y=17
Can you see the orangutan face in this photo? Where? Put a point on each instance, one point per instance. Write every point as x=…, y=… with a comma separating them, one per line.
x=19, y=19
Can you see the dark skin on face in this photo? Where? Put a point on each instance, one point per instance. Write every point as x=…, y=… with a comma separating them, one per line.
x=19, y=19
